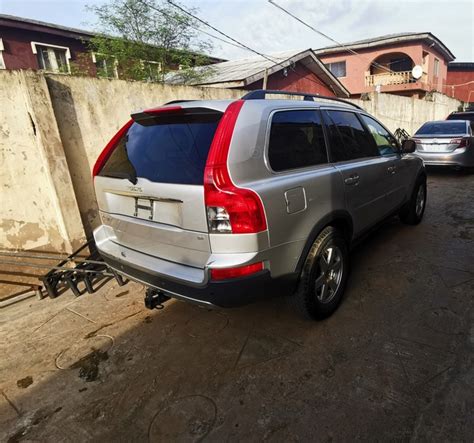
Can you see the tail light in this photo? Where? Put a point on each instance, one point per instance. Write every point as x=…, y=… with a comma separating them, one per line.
x=461, y=142
x=230, y=209
x=241, y=271
x=109, y=148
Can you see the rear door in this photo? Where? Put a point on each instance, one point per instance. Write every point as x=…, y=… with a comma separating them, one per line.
x=150, y=191
x=400, y=176
x=363, y=169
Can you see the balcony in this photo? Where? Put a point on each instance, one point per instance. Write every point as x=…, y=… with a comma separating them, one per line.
x=392, y=78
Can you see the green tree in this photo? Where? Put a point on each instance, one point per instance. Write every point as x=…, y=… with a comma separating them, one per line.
x=145, y=39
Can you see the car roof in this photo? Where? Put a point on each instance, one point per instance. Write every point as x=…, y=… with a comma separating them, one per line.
x=447, y=121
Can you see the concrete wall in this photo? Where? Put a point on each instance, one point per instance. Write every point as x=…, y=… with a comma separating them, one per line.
x=409, y=113
x=37, y=203
x=89, y=112
x=53, y=128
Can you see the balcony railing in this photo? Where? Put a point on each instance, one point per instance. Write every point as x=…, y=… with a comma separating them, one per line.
x=391, y=78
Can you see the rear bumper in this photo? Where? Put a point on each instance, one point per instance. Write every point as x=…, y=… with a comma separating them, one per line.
x=460, y=157
x=225, y=294
x=191, y=283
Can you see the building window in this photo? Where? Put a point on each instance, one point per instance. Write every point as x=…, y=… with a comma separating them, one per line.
x=436, y=67
x=152, y=70
x=52, y=58
x=106, y=65
x=337, y=68
x=2, y=62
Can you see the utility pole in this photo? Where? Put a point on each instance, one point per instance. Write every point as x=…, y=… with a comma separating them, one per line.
x=265, y=79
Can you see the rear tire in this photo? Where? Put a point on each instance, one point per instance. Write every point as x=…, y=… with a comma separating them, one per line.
x=412, y=212
x=324, y=276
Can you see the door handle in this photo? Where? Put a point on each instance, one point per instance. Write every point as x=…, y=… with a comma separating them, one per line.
x=352, y=180
x=392, y=169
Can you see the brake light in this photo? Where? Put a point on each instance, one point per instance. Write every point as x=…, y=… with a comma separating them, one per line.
x=109, y=148
x=166, y=109
x=230, y=209
x=241, y=271
x=461, y=142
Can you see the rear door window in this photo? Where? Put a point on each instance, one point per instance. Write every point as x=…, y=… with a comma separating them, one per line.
x=165, y=150
x=348, y=140
x=296, y=140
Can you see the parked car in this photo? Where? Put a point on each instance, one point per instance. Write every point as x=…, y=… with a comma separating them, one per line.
x=223, y=202
x=468, y=115
x=446, y=143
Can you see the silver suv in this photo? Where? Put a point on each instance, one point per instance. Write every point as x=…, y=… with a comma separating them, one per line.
x=222, y=202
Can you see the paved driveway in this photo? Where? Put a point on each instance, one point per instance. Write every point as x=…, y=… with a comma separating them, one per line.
x=394, y=362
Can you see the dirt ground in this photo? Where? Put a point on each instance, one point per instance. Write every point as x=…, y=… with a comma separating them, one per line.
x=395, y=362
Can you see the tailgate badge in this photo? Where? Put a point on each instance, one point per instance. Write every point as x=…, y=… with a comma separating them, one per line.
x=135, y=189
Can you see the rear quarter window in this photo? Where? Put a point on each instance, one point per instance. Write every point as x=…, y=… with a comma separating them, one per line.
x=296, y=140
x=171, y=150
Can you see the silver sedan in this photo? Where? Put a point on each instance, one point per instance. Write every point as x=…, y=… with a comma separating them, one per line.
x=446, y=142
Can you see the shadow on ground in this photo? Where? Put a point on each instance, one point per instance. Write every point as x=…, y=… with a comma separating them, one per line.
x=394, y=362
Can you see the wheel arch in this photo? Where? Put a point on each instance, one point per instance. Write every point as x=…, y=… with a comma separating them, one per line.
x=340, y=220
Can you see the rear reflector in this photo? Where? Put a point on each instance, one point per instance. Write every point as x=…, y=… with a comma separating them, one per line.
x=111, y=145
x=226, y=273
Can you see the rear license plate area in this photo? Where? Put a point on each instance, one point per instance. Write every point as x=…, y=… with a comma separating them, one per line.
x=143, y=208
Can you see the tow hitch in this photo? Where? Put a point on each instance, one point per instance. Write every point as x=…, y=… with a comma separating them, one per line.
x=155, y=298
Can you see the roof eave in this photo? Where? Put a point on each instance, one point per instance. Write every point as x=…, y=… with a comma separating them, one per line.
x=390, y=41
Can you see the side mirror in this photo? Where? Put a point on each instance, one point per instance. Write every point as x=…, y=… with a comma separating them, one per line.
x=408, y=146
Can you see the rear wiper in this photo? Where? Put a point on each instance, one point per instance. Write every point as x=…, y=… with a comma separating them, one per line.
x=130, y=176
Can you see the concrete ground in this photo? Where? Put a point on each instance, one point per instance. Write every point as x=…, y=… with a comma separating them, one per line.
x=395, y=362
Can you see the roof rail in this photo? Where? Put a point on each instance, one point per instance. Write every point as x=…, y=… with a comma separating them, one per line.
x=260, y=94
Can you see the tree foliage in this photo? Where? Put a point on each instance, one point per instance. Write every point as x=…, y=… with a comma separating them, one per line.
x=145, y=39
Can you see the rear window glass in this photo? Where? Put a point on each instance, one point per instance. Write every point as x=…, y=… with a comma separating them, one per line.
x=442, y=128
x=164, y=150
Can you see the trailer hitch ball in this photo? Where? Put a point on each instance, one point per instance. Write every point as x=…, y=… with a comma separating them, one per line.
x=154, y=298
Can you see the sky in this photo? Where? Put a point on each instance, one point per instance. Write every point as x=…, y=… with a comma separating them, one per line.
x=266, y=29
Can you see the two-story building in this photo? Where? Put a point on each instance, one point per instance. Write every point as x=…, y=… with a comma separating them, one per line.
x=385, y=64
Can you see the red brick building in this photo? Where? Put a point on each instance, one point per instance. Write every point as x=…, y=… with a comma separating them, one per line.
x=296, y=71
x=460, y=81
x=385, y=64
x=31, y=44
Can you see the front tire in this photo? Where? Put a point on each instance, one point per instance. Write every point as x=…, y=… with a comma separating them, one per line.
x=412, y=212
x=324, y=276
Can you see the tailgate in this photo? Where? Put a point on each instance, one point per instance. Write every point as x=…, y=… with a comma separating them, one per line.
x=150, y=191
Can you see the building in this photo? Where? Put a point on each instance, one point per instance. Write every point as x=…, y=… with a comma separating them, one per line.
x=31, y=44
x=385, y=64
x=297, y=71
x=460, y=81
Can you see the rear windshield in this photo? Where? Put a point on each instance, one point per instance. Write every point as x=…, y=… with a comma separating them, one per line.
x=164, y=150
x=442, y=128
